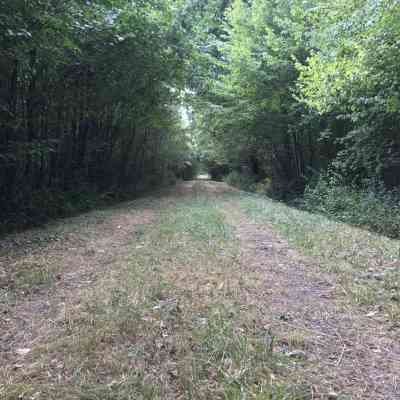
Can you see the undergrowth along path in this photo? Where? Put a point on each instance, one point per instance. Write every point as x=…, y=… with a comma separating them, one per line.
x=195, y=293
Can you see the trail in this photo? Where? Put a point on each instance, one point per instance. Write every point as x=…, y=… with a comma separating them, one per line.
x=346, y=351
x=74, y=256
x=274, y=290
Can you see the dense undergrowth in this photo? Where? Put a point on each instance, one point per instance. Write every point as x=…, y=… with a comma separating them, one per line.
x=374, y=208
x=86, y=105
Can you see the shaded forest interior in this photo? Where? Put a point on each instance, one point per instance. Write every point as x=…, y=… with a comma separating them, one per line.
x=293, y=99
x=88, y=102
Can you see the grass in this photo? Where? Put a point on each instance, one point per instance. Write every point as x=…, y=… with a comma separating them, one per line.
x=46, y=206
x=366, y=264
x=27, y=271
x=26, y=277
x=170, y=322
x=178, y=317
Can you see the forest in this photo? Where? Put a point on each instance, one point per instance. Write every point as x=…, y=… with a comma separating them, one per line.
x=88, y=102
x=296, y=99
x=199, y=199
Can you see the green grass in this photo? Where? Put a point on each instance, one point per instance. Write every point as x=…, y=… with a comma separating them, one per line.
x=25, y=278
x=170, y=322
x=363, y=261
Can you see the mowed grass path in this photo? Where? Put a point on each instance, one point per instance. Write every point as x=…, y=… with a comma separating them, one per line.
x=180, y=310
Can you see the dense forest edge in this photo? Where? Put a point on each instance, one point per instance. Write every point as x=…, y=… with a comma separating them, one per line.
x=297, y=100
x=89, y=98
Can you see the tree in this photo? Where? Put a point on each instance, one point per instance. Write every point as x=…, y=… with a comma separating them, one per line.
x=354, y=74
x=89, y=95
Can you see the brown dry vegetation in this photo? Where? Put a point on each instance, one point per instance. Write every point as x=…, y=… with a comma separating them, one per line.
x=185, y=296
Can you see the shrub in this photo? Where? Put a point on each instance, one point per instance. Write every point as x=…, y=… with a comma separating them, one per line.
x=217, y=171
x=241, y=181
x=371, y=206
x=264, y=186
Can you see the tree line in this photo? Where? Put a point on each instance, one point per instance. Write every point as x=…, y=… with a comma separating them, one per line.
x=89, y=98
x=304, y=97
x=300, y=86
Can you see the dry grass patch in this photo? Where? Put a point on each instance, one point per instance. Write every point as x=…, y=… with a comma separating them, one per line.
x=329, y=301
x=366, y=265
x=171, y=323
x=29, y=276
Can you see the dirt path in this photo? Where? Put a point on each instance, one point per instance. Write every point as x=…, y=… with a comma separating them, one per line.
x=346, y=351
x=43, y=271
x=337, y=350
x=46, y=272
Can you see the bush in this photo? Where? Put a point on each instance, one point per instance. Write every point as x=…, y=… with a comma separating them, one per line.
x=371, y=206
x=217, y=171
x=264, y=186
x=245, y=182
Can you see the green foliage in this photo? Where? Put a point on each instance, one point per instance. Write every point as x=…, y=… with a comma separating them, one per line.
x=50, y=204
x=300, y=87
x=93, y=92
x=241, y=181
x=249, y=114
x=354, y=73
x=372, y=207
x=90, y=100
